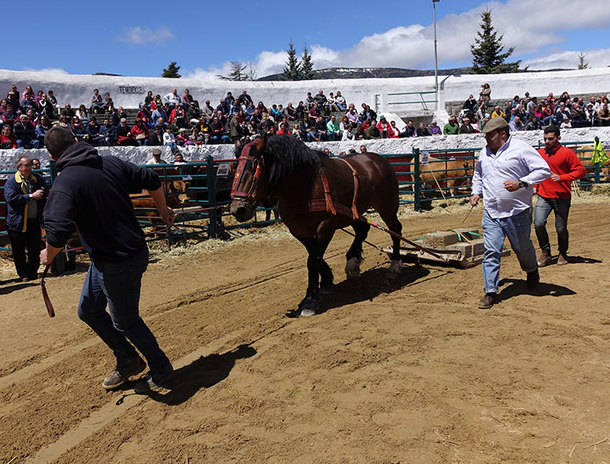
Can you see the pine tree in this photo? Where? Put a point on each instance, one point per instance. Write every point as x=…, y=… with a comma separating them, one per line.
x=171, y=71
x=488, y=56
x=236, y=73
x=581, y=62
x=292, y=70
x=306, y=65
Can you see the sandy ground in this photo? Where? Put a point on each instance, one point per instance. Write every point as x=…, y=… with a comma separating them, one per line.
x=405, y=370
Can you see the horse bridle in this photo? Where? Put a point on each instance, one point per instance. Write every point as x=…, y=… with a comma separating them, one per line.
x=244, y=163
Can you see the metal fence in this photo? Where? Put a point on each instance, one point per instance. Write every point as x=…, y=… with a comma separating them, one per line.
x=423, y=176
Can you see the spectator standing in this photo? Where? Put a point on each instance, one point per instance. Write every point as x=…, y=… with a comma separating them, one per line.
x=554, y=194
x=92, y=193
x=156, y=157
x=24, y=193
x=504, y=176
x=485, y=94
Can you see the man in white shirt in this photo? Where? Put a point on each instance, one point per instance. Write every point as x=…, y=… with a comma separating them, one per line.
x=156, y=157
x=504, y=176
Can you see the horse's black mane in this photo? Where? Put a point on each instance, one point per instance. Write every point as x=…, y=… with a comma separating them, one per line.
x=286, y=154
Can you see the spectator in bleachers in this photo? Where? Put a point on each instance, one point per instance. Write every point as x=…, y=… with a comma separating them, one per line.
x=245, y=99
x=158, y=112
x=169, y=139
x=434, y=129
x=51, y=97
x=284, y=130
x=123, y=134
x=562, y=114
x=603, y=115
x=497, y=113
x=139, y=132
x=340, y=101
x=470, y=106
x=217, y=131
x=42, y=128
x=97, y=103
x=7, y=139
x=156, y=137
x=371, y=132
x=148, y=99
x=62, y=121
x=485, y=94
x=333, y=130
x=25, y=133
x=393, y=130
x=591, y=115
x=467, y=127
x=93, y=133
x=516, y=125
x=82, y=114
x=382, y=127
x=107, y=131
x=172, y=98
x=28, y=98
x=13, y=97
x=78, y=129
x=410, y=130
x=68, y=112
x=422, y=130
x=452, y=127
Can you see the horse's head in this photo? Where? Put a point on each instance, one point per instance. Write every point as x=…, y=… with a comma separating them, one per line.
x=250, y=186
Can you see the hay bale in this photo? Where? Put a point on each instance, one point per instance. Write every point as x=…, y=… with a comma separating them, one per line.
x=469, y=249
x=440, y=239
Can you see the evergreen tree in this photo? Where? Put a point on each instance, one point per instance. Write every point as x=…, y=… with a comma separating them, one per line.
x=292, y=70
x=581, y=62
x=488, y=56
x=171, y=71
x=306, y=65
x=236, y=73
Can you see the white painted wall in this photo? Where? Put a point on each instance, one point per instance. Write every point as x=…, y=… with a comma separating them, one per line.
x=77, y=89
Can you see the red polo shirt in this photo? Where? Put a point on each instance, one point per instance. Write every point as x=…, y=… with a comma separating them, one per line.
x=565, y=163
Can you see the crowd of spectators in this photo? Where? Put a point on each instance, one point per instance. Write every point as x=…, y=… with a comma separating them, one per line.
x=177, y=120
x=531, y=113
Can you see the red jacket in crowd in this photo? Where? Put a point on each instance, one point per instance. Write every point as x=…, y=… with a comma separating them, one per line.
x=565, y=163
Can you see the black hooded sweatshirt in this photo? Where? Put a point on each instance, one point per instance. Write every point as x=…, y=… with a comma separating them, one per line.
x=92, y=193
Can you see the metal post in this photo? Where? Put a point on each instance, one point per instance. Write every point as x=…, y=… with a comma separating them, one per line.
x=435, y=52
x=416, y=179
x=211, y=180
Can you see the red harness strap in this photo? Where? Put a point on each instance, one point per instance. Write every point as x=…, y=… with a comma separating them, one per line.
x=328, y=204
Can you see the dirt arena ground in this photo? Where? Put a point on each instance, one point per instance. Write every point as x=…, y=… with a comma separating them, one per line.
x=404, y=371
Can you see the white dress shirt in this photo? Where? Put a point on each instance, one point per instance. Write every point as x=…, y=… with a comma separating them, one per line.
x=515, y=160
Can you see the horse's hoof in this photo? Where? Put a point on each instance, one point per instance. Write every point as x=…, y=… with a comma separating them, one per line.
x=307, y=313
x=395, y=266
x=352, y=268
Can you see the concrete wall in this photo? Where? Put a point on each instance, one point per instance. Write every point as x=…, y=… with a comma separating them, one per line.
x=129, y=91
x=140, y=155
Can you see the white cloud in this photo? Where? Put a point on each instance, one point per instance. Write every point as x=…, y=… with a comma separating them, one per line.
x=570, y=60
x=144, y=35
x=527, y=25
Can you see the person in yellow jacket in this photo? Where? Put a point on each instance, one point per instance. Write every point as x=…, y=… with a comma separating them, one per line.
x=24, y=193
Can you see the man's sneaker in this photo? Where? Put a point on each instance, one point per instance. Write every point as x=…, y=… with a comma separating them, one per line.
x=488, y=301
x=562, y=259
x=154, y=384
x=544, y=259
x=122, y=373
x=533, y=278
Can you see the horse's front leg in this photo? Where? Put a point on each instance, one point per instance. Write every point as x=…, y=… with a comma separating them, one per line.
x=310, y=305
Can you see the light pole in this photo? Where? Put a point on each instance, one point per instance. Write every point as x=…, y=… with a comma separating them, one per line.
x=435, y=51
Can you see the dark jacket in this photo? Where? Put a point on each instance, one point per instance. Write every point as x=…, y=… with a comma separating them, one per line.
x=16, y=200
x=92, y=193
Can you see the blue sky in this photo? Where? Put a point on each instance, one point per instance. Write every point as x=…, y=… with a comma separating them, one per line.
x=141, y=38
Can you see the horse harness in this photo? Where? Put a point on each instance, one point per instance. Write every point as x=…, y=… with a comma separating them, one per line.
x=327, y=204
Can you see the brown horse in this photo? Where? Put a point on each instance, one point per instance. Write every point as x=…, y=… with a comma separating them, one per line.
x=316, y=196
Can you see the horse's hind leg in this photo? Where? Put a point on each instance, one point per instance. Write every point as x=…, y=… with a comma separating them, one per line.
x=391, y=220
x=354, y=254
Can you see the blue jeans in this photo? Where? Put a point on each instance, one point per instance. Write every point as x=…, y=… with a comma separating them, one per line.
x=561, y=208
x=517, y=229
x=118, y=285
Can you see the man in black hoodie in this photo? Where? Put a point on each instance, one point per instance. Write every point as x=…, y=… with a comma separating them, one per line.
x=92, y=194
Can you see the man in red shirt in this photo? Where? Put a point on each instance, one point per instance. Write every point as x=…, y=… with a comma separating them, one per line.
x=554, y=194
